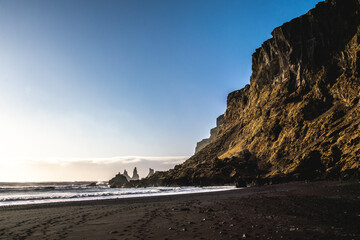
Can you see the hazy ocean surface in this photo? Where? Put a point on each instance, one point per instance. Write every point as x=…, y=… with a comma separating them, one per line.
x=46, y=192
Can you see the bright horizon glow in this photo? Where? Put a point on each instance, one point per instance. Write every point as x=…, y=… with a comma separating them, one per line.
x=97, y=79
x=77, y=169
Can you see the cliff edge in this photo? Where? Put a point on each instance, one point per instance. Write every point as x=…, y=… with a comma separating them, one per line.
x=299, y=117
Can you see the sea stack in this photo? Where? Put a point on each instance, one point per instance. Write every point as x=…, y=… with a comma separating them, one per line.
x=135, y=175
x=151, y=172
x=125, y=174
x=119, y=181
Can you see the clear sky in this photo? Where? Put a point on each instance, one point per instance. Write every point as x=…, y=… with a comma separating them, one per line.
x=94, y=82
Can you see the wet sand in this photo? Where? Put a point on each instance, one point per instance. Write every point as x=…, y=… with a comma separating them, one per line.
x=317, y=210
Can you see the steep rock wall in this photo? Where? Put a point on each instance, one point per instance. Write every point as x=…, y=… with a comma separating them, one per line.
x=300, y=116
x=214, y=132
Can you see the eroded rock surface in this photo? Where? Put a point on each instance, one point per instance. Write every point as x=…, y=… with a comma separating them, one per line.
x=124, y=180
x=125, y=174
x=213, y=134
x=135, y=175
x=120, y=181
x=151, y=172
x=300, y=116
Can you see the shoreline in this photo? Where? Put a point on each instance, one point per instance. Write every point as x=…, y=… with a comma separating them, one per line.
x=314, y=210
x=208, y=189
x=165, y=197
x=124, y=200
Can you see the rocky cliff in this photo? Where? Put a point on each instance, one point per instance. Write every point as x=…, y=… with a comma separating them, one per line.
x=214, y=132
x=299, y=118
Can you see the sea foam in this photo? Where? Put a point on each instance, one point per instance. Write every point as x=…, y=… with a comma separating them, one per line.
x=37, y=193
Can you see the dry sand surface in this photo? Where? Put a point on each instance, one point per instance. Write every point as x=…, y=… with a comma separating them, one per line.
x=317, y=210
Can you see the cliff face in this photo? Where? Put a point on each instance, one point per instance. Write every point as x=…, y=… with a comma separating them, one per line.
x=213, y=134
x=299, y=117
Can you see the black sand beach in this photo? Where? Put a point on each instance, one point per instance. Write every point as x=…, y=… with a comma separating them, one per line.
x=316, y=210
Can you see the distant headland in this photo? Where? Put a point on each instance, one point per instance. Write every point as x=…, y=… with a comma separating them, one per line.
x=124, y=180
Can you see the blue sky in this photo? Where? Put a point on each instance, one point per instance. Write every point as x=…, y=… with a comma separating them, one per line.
x=100, y=79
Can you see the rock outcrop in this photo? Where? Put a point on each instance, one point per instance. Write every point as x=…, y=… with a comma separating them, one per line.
x=300, y=116
x=151, y=172
x=93, y=184
x=124, y=180
x=135, y=175
x=120, y=181
x=213, y=134
x=153, y=179
x=125, y=174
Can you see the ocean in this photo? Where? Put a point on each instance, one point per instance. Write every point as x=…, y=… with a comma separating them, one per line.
x=47, y=192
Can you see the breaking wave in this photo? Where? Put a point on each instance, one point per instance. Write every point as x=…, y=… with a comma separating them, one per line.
x=36, y=193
